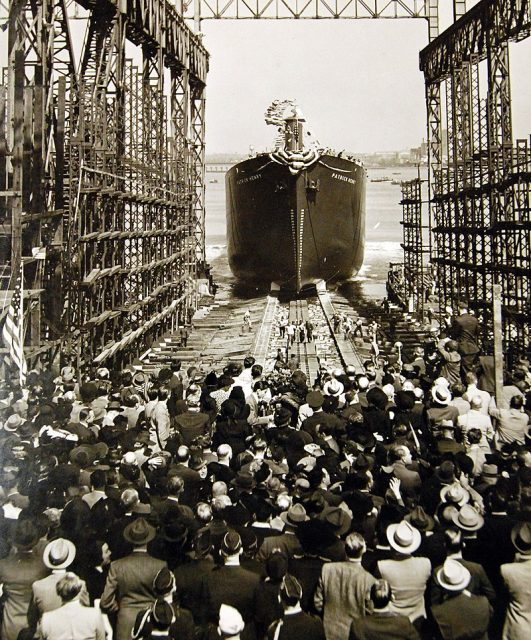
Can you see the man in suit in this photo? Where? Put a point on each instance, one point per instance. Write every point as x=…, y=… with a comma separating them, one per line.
x=58, y=556
x=230, y=583
x=342, y=588
x=410, y=481
x=517, y=578
x=382, y=623
x=129, y=585
x=461, y=615
x=72, y=620
x=465, y=329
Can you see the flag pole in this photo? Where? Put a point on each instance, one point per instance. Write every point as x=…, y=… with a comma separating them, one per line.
x=21, y=322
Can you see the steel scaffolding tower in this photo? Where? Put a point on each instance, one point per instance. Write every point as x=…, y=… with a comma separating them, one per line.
x=101, y=171
x=481, y=196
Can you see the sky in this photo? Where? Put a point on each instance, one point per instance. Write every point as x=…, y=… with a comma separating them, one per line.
x=357, y=81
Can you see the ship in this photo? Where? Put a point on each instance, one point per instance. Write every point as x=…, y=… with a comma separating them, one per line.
x=296, y=214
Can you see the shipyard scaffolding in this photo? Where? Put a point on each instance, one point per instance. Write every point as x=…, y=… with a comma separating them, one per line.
x=102, y=176
x=480, y=192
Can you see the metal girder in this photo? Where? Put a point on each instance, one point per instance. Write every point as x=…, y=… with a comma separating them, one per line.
x=497, y=21
x=306, y=9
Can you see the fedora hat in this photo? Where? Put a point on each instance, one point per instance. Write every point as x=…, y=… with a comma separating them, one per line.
x=59, y=554
x=333, y=388
x=13, y=422
x=314, y=450
x=489, y=473
x=467, y=518
x=420, y=519
x=455, y=493
x=315, y=399
x=294, y=515
x=139, y=532
x=114, y=405
x=441, y=394
x=87, y=454
x=453, y=576
x=446, y=472
x=403, y=537
x=26, y=535
x=339, y=520
x=244, y=480
x=521, y=537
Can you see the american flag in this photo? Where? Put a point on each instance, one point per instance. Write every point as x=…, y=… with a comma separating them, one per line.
x=13, y=329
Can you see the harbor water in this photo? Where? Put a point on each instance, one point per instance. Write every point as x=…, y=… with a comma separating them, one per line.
x=383, y=229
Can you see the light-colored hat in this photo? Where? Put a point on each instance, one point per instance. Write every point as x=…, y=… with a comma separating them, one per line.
x=521, y=537
x=467, y=518
x=455, y=493
x=59, y=554
x=453, y=576
x=230, y=621
x=333, y=388
x=313, y=449
x=441, y=394
x=441, y=382
x=403, y=537
x=13, y=422
x=294, y=515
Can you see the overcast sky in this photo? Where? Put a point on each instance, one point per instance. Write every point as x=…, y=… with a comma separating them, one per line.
x=357, y=81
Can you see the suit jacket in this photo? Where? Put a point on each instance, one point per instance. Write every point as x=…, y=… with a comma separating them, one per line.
x=340, y=594
x=129, y=589
x=383, y=626
x=463, y=616
x=479, y=584
x=517, y=578
x=45, y=597
x=408, y=577
x=73, y=621
x=465, y=329
x=410, y=481
x=287, y=542
x=17, y=574
x=232, y=585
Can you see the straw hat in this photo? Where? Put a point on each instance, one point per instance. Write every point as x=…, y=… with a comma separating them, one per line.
x=441, y=395
x=333, y=388
x=467, y=518
x=59, y=554
x=521, y=537
x=455, y=493
x=453, y=576
x=403, y=537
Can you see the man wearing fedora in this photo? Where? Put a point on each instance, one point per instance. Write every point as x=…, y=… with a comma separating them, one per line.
x=129, y=585
x=461, y=615
x=407, y=575
x=58, y=555
x=287, y=541
x=18, y=571
x=342, y=588
x=517, y=578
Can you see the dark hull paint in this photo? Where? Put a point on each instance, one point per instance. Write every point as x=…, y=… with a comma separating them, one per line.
x=281, y=231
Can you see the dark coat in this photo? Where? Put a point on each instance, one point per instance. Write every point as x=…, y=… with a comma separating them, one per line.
x=383, y=626
x=463, y=617
x=230, y=585
x=297, y=625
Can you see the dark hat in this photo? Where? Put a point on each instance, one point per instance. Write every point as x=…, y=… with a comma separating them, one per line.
x=114, y=404
x=294, y=515
x=163, y=582
x=291, y=587
x=263, y=473
x=162, y=614
x=276, y=565
x=446, y=472
x=364, y=437
x=315, y=399
x=377, y=397
x=338, y=519
x=362, y=462
x=139, y=532
x=420, y=519
x=282, y=417
x=174, y=531
x=244, y=481
x=86, y=454
x=405, y=400
x=26, y=535
x=521, y=537
x=315, y=536
x=231, y=543
x=225, y=381
x=211, y=379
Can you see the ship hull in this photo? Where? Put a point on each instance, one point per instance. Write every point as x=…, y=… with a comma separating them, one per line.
x=295, y=230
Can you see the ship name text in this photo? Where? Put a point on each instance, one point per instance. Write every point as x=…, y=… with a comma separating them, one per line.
x=343, y=178
x=249, y=179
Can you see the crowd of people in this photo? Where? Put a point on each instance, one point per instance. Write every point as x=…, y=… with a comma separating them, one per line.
x=384, y=503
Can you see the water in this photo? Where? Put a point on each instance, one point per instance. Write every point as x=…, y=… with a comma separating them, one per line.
x=383, y=228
